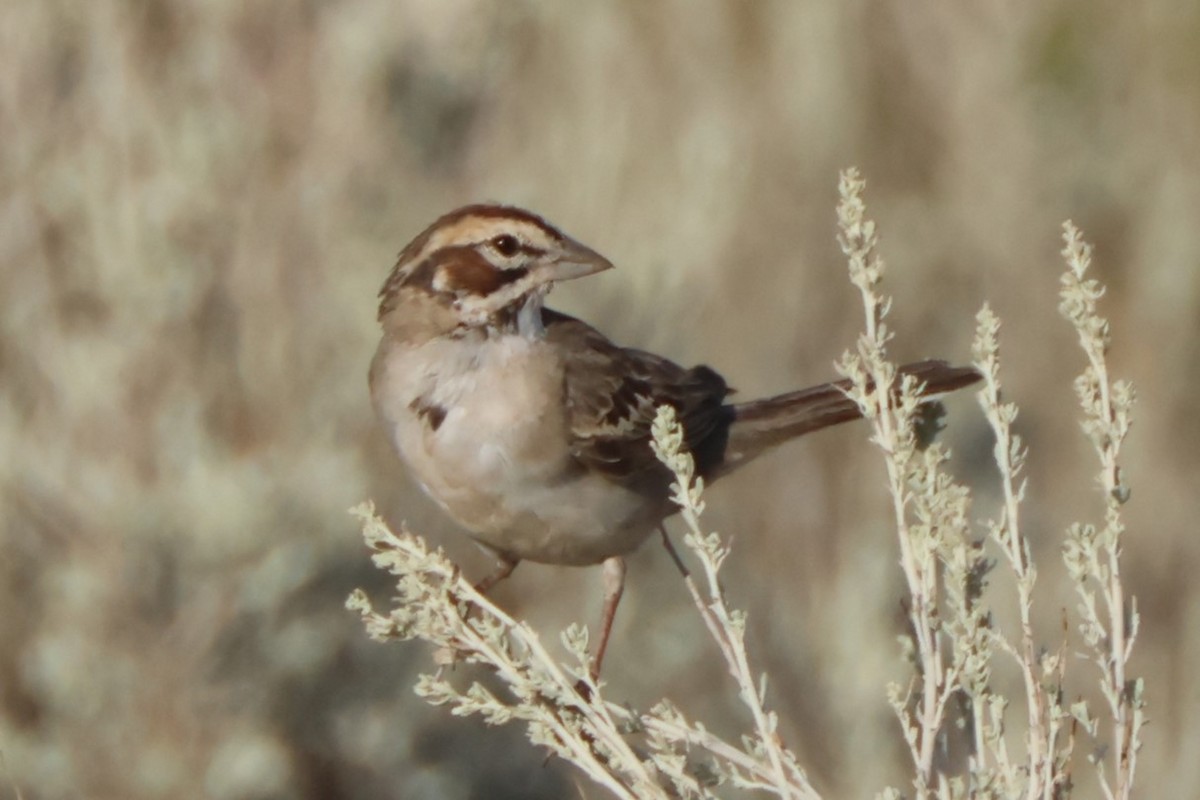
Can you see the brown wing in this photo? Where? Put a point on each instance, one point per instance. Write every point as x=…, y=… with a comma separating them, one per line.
x=613, y=394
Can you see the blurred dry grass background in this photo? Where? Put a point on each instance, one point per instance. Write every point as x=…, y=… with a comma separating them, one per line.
x=198, y=201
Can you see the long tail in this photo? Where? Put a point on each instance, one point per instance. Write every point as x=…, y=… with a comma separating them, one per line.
x=760, y=424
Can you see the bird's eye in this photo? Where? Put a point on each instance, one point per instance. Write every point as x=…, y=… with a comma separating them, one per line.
x=506, y=245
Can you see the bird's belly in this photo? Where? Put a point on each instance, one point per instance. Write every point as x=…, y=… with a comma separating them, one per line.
x=549, y=510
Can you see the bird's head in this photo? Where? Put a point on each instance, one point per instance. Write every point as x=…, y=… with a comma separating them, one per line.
x=481, y=266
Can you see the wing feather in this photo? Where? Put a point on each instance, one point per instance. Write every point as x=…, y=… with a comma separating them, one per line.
x=612, y=395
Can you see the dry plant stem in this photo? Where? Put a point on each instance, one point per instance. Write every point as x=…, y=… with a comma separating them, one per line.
x=700, y=737
x=472, y=638
x=1043, y=716
x=579, y=726
x=726, y=626
x=1006, y=531
x=891, y=419
x=1093, y=556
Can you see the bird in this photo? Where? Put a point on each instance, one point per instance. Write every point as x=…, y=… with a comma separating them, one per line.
x=529, y=427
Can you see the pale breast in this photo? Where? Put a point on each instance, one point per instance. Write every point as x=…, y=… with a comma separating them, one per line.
x=503, y=422
x=482, y=426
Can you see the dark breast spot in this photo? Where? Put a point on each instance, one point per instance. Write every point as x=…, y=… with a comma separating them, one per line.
x=431, y=413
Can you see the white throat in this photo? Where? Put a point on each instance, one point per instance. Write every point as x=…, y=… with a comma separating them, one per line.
x=529, y=318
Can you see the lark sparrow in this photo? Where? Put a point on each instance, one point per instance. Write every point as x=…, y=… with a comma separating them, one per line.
x=529, y=427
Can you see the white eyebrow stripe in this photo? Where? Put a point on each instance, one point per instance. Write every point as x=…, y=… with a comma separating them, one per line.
x=476, y=230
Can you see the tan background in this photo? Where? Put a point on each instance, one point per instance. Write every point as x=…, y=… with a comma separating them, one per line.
x=198, y=201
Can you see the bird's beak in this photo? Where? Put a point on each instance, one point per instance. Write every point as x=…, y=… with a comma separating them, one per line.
x=573, y=260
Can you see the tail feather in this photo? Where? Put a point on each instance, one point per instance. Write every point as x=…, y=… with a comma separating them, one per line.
x=761, y=424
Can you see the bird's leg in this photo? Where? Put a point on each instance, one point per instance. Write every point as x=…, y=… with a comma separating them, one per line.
x=614, y=585
x=504, y=567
